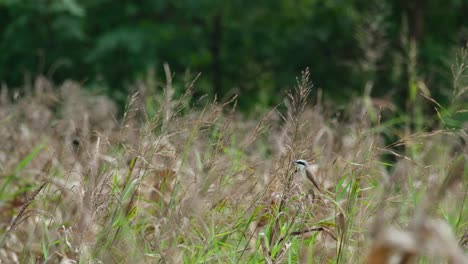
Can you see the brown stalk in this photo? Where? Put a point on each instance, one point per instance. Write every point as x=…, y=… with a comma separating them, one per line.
x=28, y=201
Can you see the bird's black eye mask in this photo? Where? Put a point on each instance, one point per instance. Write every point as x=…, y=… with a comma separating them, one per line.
x=300, y=162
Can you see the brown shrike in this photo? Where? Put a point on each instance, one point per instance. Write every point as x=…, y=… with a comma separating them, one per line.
x=308, y=171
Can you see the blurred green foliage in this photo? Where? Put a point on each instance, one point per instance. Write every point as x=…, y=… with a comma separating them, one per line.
x=253, y=48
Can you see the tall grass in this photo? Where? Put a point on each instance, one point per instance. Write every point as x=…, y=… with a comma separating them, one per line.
x=178, y=180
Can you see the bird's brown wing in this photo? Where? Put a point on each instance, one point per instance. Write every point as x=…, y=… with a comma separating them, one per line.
x=310, y=176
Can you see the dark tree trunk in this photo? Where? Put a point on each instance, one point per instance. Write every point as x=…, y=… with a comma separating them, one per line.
x=216, y=42
x=463, y=12
x=417, y=20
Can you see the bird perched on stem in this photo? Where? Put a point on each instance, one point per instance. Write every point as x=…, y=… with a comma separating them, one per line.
x=308, y=171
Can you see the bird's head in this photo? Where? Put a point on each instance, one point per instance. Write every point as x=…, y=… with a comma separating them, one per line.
x=301, y=164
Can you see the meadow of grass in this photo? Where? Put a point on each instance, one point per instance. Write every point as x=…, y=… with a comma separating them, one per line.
x=178, y=180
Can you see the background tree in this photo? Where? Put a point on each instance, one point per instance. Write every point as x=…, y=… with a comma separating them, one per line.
x=251, y=48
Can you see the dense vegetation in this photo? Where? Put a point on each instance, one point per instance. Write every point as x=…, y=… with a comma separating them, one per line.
x=251, y=48
x=114, y=149
x=173, y=182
